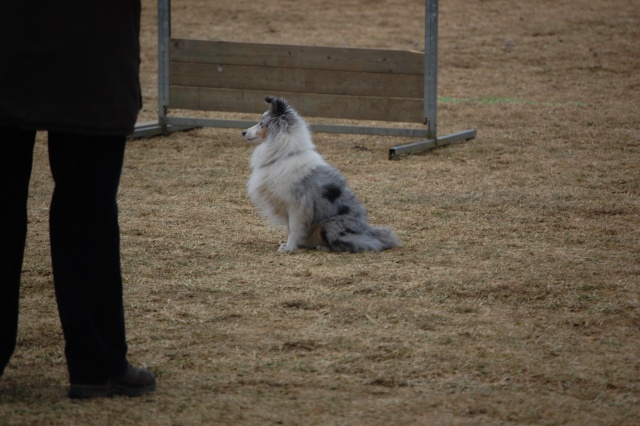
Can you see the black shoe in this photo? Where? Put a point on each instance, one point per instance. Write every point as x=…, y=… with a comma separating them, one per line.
x=134, y=382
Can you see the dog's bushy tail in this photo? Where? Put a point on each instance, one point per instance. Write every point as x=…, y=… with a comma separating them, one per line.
x=370, y=238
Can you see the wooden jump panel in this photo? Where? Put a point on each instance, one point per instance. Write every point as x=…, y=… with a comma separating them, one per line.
x=284, y=56
x=361, y=84
x=303, y=80
x=307, y=104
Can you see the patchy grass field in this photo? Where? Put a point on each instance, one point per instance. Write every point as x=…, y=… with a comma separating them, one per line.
x=515, y=298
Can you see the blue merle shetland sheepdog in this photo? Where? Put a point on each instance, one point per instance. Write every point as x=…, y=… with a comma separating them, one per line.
x=293, y=186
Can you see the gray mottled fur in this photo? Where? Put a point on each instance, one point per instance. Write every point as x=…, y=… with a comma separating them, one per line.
x=342, y=219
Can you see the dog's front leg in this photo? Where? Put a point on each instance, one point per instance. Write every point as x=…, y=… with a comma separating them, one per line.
x=292, y=239
x=296, y=229
x=283, y=246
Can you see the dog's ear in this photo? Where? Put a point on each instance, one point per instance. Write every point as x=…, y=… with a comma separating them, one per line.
x=278, y=106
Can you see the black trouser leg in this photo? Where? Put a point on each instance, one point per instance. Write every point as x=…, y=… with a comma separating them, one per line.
x=85, y=251
x=16, y=158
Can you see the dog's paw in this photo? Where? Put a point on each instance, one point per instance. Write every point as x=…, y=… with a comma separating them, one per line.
x=285, y=249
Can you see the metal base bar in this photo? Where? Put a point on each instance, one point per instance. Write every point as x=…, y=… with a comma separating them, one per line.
x=321, y=128
x=362, y=130
x=210, y=122
x=421, y=146
x=154, y=128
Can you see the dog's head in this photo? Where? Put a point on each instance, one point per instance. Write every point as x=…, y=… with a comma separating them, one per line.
x=276, y=120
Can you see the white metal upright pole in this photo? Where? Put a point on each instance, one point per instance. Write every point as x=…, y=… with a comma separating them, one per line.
x=431, y=92
x=431, y=68
x=164, y=35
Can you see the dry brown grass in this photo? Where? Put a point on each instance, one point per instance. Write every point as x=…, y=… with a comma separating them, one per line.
x=514, y=299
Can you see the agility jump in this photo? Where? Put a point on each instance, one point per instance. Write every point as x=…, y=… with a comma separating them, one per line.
x=345, y=83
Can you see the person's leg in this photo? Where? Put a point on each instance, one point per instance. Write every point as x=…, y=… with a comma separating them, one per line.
x=85, y=252
x=16, y=158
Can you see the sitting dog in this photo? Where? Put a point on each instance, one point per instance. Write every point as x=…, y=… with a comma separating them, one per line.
x=293, y=186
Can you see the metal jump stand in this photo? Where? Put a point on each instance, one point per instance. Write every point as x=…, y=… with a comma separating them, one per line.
x=166, y=124
x=431, y=92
